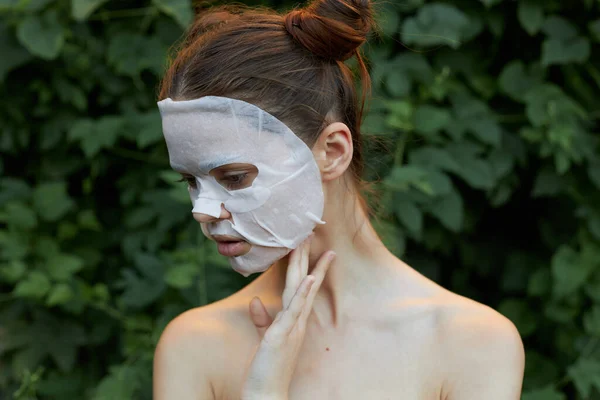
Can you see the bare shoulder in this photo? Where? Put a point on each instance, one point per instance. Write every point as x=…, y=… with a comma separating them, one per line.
x=483, y=351
x=188, y=355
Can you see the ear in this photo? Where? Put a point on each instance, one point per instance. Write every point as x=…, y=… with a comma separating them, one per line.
x=333, y=150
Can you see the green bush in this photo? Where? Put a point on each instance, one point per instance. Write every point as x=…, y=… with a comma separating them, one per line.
x=488, y=176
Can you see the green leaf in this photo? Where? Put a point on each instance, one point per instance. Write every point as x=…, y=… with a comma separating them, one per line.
x=141, y=216
x=561, y=52
x=502, y=162
x=440, y=182
x=61, y=267
x=585, y=375
x=180, y=10
x=391, y=235
x=34, y=5
x=182, y=276
x=87, y=219
x=519, y=312
x=131, y=54
x=411, y=216
x=13, y=189
x=400, y=178
x=531, y=15
x=400, y=116
x=490, y=3
x=436, y=24
x=36, y=285
x=68, y=336
x=547, y=183
x=569, y=271
x=594, y=28
x=592, y=287
x=20, y=216
x=495, y=22
x=593, y=224
x=398, y=83
x=449, y=210
x=51, y=200
x=429, y=119
x=13, y=271
x=477, y=173
x=43, y=36
x=122, y=382
x=96, y=135
x=547, y=393
x=594, y=173
x=515, y=81
x=415, y=66
x=71, y=94
x=8, y=5
x=591, y=321
x=144, y=284
x=539, y=283
x=82, y=9
x=559, y=28
x=146, y=128
x=500, y=194
x=547, y=104
x=60, y=294
x=13, y=55
x=435, y=157
x=486, y=130
x=375, y=124
x=540, y=370
x=66, y=230
x=388, y=19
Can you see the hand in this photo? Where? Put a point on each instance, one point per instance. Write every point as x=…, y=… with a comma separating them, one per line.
x=270, y=372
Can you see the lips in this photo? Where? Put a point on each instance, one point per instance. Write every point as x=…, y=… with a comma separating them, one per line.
x=231, y=246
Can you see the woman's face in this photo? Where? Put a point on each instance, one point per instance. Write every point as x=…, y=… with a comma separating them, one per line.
x=255, y=187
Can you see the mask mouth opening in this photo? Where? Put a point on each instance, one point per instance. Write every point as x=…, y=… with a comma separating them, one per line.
x=227, y=239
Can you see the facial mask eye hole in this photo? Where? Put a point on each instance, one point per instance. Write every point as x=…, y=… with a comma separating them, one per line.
x=191, y=181
x=235, y=176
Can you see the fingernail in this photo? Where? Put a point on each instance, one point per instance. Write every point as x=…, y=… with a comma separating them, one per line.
x=331, y=255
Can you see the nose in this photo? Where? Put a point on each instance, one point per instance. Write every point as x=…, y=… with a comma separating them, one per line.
x=205, y=218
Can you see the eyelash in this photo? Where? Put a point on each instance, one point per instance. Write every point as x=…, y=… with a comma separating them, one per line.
x=191, y=181
x=232, y=182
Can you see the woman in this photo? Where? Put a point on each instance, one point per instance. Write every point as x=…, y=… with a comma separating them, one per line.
x=262, y=119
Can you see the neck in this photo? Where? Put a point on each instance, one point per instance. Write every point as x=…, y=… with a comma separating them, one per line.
x=361, y=272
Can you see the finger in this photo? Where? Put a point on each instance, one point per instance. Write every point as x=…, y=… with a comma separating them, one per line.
x=294, y=273
x=289, y=317
x=319, y=273
x=305, y=256
x=260, y=316
x=292, y=278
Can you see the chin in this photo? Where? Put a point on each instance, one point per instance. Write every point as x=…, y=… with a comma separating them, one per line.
x=258, y=259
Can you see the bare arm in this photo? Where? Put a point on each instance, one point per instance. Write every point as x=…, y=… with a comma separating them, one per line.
x=485, y=358
x=182, y=361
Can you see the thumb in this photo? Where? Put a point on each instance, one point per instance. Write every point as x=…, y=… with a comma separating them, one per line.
x=260, y=316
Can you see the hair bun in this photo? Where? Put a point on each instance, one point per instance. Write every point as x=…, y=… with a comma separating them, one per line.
x=332, y=29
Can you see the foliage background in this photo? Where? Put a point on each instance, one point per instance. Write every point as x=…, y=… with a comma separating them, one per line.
x=489, y=176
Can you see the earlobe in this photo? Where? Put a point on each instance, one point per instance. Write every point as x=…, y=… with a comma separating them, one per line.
x=333, y=150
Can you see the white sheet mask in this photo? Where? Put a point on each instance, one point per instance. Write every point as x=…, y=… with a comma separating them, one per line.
x=285, y=201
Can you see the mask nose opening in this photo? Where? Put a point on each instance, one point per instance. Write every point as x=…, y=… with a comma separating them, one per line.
x=207, y=207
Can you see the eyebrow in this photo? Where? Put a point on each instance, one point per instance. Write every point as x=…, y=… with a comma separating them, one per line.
x=206, y=166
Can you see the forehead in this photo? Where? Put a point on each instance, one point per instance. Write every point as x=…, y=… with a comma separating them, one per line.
x=219, y=132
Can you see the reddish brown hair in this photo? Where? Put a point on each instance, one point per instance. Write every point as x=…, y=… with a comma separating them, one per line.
x=290, y=65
